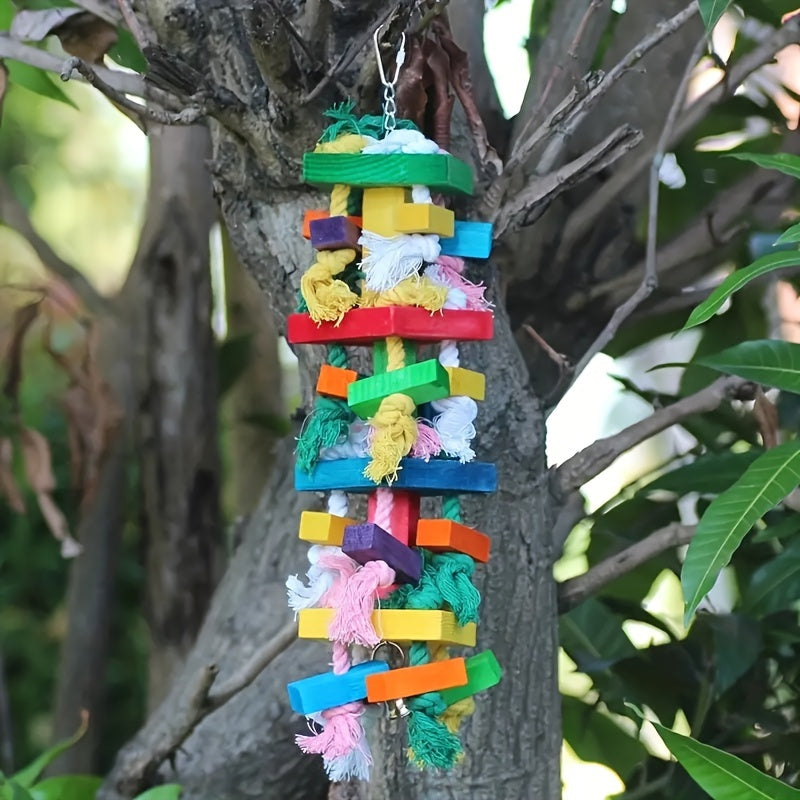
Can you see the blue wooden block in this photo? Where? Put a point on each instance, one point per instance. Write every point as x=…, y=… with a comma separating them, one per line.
x=320, y=692
x=369, y=542
x=470, y=240
x=435, y=477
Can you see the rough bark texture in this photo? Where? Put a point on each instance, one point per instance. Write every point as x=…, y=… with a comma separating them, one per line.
x=169, y=290
x=244, y=749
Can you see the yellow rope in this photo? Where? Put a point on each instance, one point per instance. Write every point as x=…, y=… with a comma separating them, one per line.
x=340, y=194
x=413, y=291
x=395, y=353
x=328, y=299
x=394, y=434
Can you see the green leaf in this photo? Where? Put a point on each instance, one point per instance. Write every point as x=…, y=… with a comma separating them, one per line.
x=768, y=361
x=783, y=162
x=11, y=790
x=722, y=775
x=737, y=645
x=784, y=528
x=711, y=11
x=168, y=791
x=127, y=53
x=775, y=586
x=737, y=280
x=37, y=81
x=593, y=636
x=7, y=12
x=67, y=787
x=596, y=737
x=28, y=776
x=789, y=235
x=731, y=515
x=708, y=474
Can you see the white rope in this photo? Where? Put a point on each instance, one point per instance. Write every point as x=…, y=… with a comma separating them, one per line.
x=391, y=260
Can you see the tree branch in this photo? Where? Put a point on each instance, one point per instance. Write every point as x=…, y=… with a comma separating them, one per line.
x=592, y=460
x=14, y=215
x=650, y=277
x=574, y=591
x=535, y=196
x=142, y=113
x=117, y=80
x=200, y=701
x=584, y=217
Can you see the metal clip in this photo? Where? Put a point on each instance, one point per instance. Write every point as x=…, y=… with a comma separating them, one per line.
x=389, y=103
x=398, y=709
x=395, y=709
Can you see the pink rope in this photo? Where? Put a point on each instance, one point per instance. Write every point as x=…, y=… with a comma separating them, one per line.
x=346, y=567
x=449, y=271
x=428, y=443
x=384, y=505
x=352, y=621
x=340, y=736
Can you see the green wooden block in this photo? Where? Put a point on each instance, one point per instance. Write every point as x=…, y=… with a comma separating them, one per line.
x=422, y=382
x=483, y=672
x=442, y=173
x=380, y=358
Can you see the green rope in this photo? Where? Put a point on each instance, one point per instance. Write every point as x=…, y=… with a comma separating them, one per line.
x=445, y=581
x=347, y=122
x=337, y=356
x=432, y=743
x=451, y=507
x=301, y=303
x=325, y=426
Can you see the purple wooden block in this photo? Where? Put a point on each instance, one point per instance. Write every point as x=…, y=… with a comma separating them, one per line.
x=334, y=233
x=369, y=542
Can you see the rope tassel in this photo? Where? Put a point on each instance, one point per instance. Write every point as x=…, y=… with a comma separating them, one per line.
x=391, y=260
x=328, y=299
x=394, y=434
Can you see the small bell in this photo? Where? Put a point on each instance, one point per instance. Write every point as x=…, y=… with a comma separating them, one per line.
x=398, y=709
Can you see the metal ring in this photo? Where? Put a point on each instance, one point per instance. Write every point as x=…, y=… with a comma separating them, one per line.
x=387, y=643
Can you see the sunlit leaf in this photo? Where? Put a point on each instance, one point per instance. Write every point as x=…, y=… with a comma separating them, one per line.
x=595, y=737
x=722, y=775
x=783, y=162
x=731, y=515
x=67, y=787
x=737, y=280
x=789, y=235
x=768, y=361
x=27, y=776
x=775, y=586
x=711, y=11
x=37, y=81
x=7, y=12
x=169, y=791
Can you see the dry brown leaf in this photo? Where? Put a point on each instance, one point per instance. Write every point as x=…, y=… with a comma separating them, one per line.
x=93, y=416
x=82, y=34
x=8, y=483
x=58, y=525
x=766, y=415
x=23, y=319
x=88, y=37
x=38, y=461
x=411, y=95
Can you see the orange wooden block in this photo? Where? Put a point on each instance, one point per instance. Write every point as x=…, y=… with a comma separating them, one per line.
x=411, y=681
x=333, y=381
x=318, y=213
x=444, y=535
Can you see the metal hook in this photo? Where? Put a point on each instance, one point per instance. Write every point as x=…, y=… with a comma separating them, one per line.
x=387, y=643
x=399, y=58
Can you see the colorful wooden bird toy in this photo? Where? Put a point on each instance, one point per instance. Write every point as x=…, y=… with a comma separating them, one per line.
x=388, y=274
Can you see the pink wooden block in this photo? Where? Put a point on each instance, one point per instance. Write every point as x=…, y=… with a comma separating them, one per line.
x=404, y=515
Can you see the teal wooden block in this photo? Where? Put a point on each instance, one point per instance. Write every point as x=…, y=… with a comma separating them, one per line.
x=435, y=477
x=470, y=240
x=422, y=382
x=442, y=173
x=328, y=690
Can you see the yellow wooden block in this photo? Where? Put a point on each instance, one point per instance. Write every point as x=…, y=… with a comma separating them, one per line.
x=321, y=528
x=424, y=218
x=466, y=383
x=396, y=625
x=378, y=207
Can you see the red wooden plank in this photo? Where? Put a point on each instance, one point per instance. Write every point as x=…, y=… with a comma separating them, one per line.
x=364, y=325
